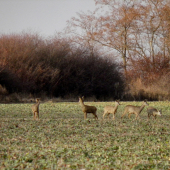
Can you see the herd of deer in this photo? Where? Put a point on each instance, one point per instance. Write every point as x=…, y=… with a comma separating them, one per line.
x=129, y=109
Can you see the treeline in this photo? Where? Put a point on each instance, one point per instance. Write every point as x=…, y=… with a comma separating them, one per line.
x=31, y=64
x=121, y=53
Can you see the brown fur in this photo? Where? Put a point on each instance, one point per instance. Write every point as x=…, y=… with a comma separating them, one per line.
x=111, y=110
x=35, y=109
x=87, y=109
x=153, y=112
x=134, y=109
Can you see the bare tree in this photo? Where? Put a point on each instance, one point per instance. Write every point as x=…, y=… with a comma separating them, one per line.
x=110, y=29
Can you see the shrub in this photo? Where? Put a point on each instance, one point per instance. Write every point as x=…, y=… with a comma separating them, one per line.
x=149, y=80
x=89, y=75
x=57, y=68
x=9, y=82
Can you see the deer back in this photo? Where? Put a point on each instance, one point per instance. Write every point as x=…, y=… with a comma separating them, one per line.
x=89, y=109
x=132, y=109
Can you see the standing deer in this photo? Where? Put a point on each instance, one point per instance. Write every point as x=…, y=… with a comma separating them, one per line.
x=153, y=112
x=35, y=109
x=111, y=109
x=134, y=109
x=87, y=109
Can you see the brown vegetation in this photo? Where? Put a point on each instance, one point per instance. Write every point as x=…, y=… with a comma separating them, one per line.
x=148, y=80
x=33, y=65
x=137, y=34
x=123, y=53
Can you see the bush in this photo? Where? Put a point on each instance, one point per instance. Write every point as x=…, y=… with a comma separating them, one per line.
x=27, y=57
x=57, y=68
x=9, y=82
x=85, y=74
x=149, y=80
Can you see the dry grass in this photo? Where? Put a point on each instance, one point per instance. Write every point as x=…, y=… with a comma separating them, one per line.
x=158, y=90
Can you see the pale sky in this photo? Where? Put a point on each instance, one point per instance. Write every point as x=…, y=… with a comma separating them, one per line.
x=45, y=17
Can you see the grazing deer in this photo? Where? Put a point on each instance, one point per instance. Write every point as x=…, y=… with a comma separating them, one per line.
x=111, y=109
x=87, y=109
x=35, y=109
x=134, y=109
x=153, y=112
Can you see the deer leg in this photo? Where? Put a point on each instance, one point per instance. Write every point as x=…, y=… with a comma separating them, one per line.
x=85, y=115
x=129, y=115
x=148, y=116
x=108, y=115
x=113, y=116
x=38, y=115
x=95, y=115
x=123, y=114
x=137, y=116
x=34, y=116
x=104, y=114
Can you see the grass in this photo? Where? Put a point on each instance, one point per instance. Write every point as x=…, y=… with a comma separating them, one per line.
x=61, y=139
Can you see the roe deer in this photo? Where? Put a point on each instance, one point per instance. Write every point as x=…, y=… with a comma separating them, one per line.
x=134, y=109
x=35, y=109
x=153, y=112
x=111, y=109
x=87, y=109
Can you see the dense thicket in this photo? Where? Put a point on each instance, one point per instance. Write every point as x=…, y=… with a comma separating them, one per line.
x=34, y=65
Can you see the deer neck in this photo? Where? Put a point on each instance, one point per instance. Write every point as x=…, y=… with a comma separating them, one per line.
x=141, y=107
x=37, y=104
x=81, y=103
x=116, y=106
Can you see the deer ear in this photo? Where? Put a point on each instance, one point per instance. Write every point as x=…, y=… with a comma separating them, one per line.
x=83, y=97
x=118, y=102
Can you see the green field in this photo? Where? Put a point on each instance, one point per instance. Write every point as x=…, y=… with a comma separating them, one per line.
x=62, y=139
